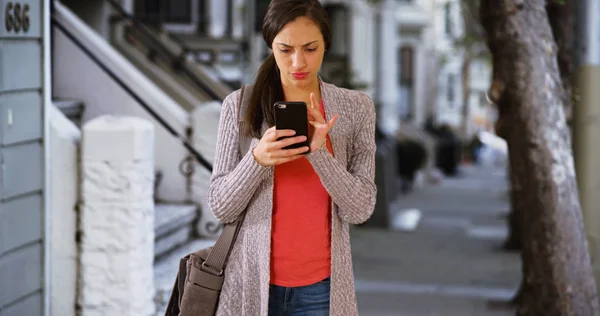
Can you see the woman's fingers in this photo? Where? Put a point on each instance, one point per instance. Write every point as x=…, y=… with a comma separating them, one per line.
x=276, y=145
x=280, y=156
x=332, y=121
x=313, y=101
x=276, y=134
x=286, y=153
x=322, y=125
x=270, y=152
x=316, y=115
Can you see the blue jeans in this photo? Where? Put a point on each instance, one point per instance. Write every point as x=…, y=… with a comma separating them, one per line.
x=310, y=300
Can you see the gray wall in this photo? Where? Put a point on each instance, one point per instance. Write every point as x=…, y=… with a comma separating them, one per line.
x=21, y=159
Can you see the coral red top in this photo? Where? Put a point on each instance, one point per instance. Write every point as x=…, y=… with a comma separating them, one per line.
x=301, y=228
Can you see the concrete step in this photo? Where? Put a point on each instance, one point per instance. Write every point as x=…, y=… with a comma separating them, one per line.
x=165, y=271
x=173, y=226
x=72, y=109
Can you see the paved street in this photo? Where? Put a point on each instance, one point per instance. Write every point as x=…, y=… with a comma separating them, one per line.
x=450, y=264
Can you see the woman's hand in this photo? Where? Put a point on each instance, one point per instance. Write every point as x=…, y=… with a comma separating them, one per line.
x=270, y=152
x=318, y=134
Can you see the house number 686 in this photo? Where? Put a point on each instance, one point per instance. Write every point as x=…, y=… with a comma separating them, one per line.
x=16, y=17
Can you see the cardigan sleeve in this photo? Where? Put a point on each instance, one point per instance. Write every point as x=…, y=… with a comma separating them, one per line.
x=353, y=188
x=233, y=181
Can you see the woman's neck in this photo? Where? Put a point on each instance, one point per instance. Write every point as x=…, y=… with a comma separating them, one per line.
x=293, y=93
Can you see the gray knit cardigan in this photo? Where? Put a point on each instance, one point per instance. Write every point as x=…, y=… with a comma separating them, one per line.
x=242, y=184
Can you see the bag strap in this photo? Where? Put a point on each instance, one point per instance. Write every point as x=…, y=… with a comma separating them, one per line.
x=217, y=258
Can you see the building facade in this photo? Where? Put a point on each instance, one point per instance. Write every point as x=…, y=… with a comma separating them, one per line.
x=447, y=28
x=24, y=216
x=85, y=59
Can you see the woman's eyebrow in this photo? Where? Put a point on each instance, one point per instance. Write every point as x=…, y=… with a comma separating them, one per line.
x=286, y=45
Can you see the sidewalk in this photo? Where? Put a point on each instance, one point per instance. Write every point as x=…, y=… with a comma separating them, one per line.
x=451, y=264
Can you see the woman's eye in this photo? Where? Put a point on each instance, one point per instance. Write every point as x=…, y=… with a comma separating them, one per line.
x=311, y=49
x=285, y=51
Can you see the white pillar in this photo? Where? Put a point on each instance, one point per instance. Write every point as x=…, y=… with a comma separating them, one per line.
x=117, y=217
x=361, y=37
x=239, y=20
x=65, y=139
x=218, y=18
x=388, y=68
x=256, y=52
x=420, y=84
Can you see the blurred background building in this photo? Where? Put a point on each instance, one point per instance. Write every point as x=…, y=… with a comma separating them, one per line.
x=66, y=63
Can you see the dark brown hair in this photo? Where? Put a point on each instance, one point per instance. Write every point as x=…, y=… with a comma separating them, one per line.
x=267, y=88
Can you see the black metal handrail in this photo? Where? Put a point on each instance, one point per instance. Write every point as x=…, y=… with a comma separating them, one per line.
x=184, y=48
x=201, y=160
x=177, y=62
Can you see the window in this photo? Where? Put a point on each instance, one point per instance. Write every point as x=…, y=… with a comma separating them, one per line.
x=179, y=11
x=448, y=18
x=148, y=11
x=406, y=59
x=203, y=17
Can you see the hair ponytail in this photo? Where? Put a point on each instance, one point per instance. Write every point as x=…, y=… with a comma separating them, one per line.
x=267, y=90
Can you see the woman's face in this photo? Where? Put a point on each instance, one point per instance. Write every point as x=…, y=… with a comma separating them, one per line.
x=298, y=49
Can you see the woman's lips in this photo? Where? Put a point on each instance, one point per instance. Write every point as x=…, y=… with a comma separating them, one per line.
x=300, y=75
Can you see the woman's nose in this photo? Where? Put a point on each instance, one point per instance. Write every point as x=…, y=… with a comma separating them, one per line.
x=298, y=61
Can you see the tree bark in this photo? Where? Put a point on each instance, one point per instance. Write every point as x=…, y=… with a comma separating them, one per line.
x=514, y=240
x=558, y=277
x=561, y=15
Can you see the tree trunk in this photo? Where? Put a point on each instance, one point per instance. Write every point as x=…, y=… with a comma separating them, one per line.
x=503, y=129
x=514, y=240
x=561, y=15
x=558, y=278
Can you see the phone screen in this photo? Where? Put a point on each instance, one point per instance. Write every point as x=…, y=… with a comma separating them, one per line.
x=292, y=115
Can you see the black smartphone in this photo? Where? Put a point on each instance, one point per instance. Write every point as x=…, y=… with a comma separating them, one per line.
x=294, y=116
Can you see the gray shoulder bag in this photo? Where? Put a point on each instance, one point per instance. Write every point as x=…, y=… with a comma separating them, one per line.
x=200, y=277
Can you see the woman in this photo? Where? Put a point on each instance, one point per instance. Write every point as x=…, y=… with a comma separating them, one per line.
x=292, y=255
